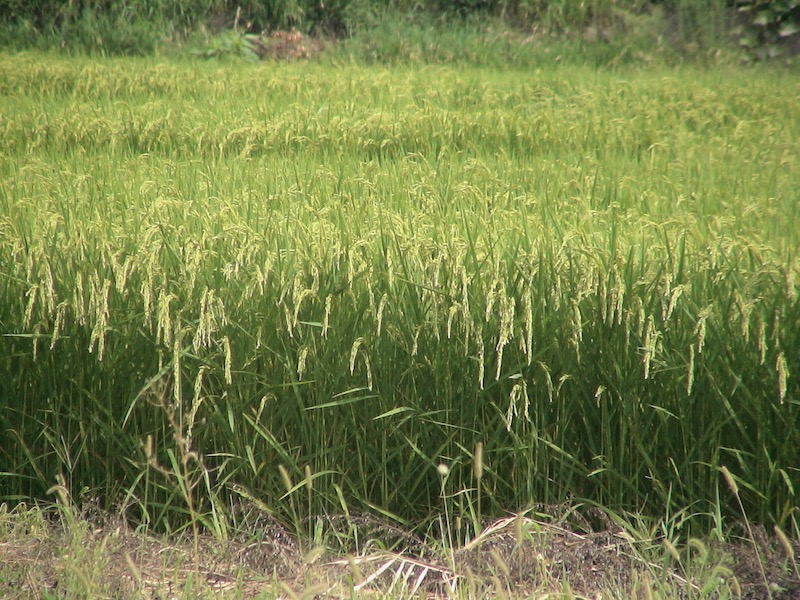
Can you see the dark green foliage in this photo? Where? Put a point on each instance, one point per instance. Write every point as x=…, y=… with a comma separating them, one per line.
x=770, y=26
x=139, y=26
x=764, y=28
x=699, y=22
x=128, y=27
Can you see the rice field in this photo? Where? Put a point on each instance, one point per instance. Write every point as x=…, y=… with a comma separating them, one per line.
x=411, y=292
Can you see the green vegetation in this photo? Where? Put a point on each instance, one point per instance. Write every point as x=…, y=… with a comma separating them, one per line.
x=468, y=258
x=767, y=23
x=65, y=552
x=312, y=287
x=417, y=30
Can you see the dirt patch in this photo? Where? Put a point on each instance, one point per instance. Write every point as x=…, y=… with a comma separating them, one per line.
x=287, y=45
x=44, y=553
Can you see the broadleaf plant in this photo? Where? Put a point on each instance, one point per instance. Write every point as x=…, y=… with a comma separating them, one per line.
x=769, y=24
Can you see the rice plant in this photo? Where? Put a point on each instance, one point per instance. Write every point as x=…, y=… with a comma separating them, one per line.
x=314, y=287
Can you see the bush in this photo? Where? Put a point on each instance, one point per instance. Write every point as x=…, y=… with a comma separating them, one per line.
x=769, y=26
x=128, y=27
x=138, y=26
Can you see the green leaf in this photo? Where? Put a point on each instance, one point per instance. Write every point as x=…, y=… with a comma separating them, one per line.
x=748, y=41
x=342, y=402
x=763, y=19
x=773, y=51
x=787, y=480
x=788, y=28
x=394, y=411
x=304, y=482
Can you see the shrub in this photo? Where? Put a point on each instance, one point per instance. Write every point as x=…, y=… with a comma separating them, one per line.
x=769, y=25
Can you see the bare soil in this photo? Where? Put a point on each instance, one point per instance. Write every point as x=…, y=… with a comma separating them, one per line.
x=53, y=554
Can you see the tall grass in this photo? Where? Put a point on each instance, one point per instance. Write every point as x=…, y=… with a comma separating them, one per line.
x=313, y=287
